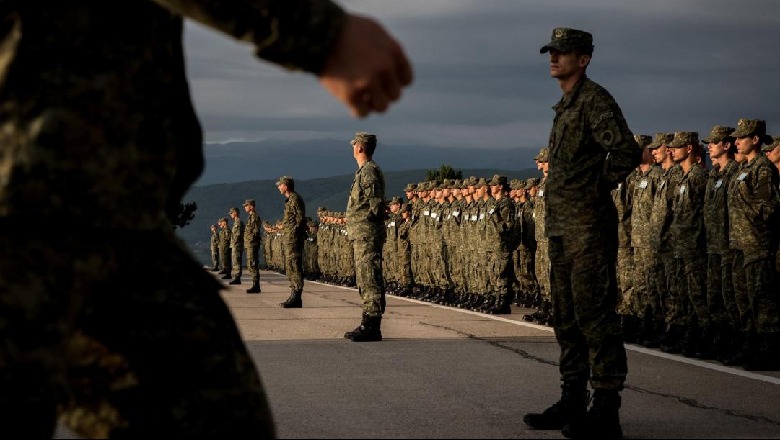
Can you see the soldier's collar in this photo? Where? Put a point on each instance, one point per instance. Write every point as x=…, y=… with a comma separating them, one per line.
x=567, y=99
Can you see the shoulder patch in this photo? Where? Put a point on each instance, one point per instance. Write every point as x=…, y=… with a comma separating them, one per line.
x=603, y=117
x=607, y=137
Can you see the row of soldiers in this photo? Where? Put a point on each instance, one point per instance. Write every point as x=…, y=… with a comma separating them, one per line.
x=697, y=248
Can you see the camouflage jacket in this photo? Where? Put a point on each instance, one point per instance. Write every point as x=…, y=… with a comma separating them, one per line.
x=539, y=203
x=252, y=234
x=753, y=209
x=661, y=217
x=294, y=220
x=365, y=207
x=96, y=122
x=237, y=234
x=687, y=225
x=716, y=222
x=622, y=196
x=591, y=151
x=645, y=187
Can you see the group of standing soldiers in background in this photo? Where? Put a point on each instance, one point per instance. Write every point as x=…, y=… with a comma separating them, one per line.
x=697, y=256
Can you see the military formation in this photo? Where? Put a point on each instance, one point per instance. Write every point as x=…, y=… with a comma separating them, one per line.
x=697, y=248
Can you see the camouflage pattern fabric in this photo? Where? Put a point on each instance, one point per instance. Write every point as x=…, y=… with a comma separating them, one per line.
x=294, y=229
x=365, y=228
x=591, y=151
x=99, y=132
x=215, y=248
x=237, y=247
x=252, y=242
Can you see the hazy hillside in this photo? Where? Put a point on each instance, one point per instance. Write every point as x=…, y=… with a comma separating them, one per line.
x=243, y=161
x=214, y=201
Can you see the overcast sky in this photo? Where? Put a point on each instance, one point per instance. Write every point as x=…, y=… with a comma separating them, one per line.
x=480, y=80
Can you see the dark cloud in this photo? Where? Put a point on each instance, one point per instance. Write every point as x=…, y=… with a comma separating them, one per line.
x=480, y=80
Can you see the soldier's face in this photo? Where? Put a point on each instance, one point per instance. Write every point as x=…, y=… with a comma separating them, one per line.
x=394, y=208
x=282, y=188
x=532, y=191
x=565, y=65
x=746, y=144
x=659, y=154
x=679, y=154
x=774, y=155
x=716, y=150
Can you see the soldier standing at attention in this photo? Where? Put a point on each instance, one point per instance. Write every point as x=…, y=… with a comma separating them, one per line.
x=236, y=246
x=214, y=249
x=366, y=232
x=591, y=150
x=723, y=310
x=224, y=248
x=294, y=230
x=754, y=207
x=104, y=123
x=252, y=240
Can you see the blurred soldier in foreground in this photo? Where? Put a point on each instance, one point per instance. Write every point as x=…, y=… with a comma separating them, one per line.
x=366, y=232
x=294, y=229
x=107, y=319
x=591, y=151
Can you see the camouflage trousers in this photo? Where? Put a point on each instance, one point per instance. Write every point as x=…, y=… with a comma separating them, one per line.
x=293, y=262
x=542, y=268
x=663, y=279
x=237, y=265
x=644, y=259
x=368, y=274
x=688, y=303
x=252, y=262
x=406, y=278
x=120, y=335
x=214, y=256
x=224, y=258
x=584, y=298
x=628, y=303
x=760, y=303
x=720, y=291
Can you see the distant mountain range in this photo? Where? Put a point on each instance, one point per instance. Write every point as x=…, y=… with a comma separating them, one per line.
x=243, y=161
x=214, y=201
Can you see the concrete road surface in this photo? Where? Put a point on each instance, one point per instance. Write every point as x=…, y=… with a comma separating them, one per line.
x=443, y=372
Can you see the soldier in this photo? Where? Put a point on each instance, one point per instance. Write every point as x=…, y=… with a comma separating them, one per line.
x=664, y=279
x=214, y=249
x=754, y=207
x=252, y=241
x=772, y=151
x=236, y=246
x=543, y=315
x=294, y=229
x=687, y=306
x=501, y=224
x=721, y=305
x=365, y=229
x=225, y=256
x=642, y=198
x=104, y=124
x=527, y=254
x=591, y=151
x=311, y=270
x=390, y=248
x=627, y=307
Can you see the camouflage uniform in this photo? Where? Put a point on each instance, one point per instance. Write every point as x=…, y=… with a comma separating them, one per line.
x=628, y=305
x=753, y=215
x=236, y=247
x=591, y=151
x=224, y=248
x=215, y=248
x=365, y=229
x=294, y=229
x=99, y=132
x=252, y=240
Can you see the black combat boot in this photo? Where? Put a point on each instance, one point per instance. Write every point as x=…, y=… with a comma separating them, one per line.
x=572, y=407
x=227, y=276
x=602, y=420
x=740, y=348
x=236, y=280
x=294, y=301
x=255, y=287
x=369, y=330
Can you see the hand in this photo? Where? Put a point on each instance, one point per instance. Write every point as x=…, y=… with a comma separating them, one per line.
x=367, y=68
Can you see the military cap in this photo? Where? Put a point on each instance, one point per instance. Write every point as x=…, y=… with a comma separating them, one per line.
x=410, y=187
x=643, y=140
x=661, y=139
x=471, y=181
x=769, y=146
x=481, y=182
x=223, y=220
x=433, y=184
x=395, y=200
x=321, y=209
x=362, y=137
x=543, y=155
x=568, y=40
x=530, y=183
x=285, y=180
x=748, y=127
x=718, y=133
x=232, y=210
x=498, y=180
x=457, y=184
x=683, y=138
x=249, y=202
